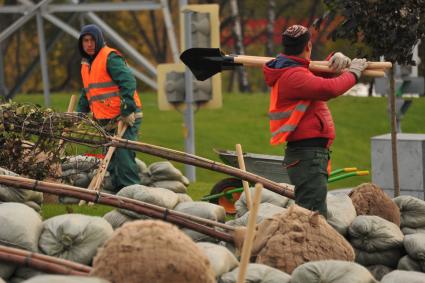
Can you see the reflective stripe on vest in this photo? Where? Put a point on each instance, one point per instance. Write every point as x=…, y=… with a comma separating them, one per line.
x=101, y=91
x=284, y=120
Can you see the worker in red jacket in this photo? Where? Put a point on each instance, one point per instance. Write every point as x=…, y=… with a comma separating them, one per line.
x=300, y=116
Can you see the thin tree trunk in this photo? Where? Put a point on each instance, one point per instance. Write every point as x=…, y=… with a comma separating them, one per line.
x=391, y=97
x=239, y=47
x=271, y=16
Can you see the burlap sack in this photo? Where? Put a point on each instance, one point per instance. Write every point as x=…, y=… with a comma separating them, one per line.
x=331, y=271
x=341, y=212
x=184, y=198
x=369, y=199
x=221, y=259
x=12, y=194
x=408, y=231
x=151, y=251
x=408, y=263
x=265, y=210
x=80, y=163
x=379, y=271
x=202, y=209
x=398, y=276
x=388, y=258
x=65, y=279
x=373, y=233
x=257, y=273
x=175, y=186
x=297, y=236
x=74, y=237
x=266, y=197
x=165, y=171
x=412, y=211
x=144, y=174
x=116, y=218
x=156, y=196
x=415, y=246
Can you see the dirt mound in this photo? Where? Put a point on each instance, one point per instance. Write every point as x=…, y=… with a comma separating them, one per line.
x=369, y=199
x=151, y=251
x=297, y=236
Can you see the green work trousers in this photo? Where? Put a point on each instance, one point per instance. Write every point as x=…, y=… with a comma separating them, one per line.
x=123, y=168
x=307, y=171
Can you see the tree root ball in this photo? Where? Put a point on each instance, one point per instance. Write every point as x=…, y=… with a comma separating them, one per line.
x=151, y=251
x=369, y=199
x=298, y=236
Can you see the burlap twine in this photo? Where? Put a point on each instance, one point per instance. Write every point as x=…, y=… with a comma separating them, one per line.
x=297, y=236
x=369, y=199
x=151, y=251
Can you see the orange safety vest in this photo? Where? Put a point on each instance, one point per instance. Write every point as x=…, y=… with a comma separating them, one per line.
x=101, y=91
x=284, y=120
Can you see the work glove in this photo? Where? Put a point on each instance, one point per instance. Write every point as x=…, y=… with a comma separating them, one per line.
x=357, y=67
x=129, y=120
x=339, y=62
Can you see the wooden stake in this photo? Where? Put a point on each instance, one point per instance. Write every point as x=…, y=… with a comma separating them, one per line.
x=249, y=239
x=97, y=180
x=245, y=184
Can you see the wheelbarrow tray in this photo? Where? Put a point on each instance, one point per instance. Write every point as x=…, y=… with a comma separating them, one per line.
x=267, y=166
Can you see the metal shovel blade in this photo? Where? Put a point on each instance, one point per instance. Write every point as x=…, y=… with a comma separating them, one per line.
x=206, y=62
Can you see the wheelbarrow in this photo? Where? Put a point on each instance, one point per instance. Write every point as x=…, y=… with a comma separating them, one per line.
x=227, y=191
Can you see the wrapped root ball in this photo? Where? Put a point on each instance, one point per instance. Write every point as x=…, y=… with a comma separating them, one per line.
x=151, y=251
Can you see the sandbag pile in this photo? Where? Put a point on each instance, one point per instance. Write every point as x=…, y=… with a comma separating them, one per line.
x=369, y=199
x=297, y=236
x=414, y=245
x=341, y=212
x=11, y=194
x=151, y=251
x=412, y=211
x=74, y=237
x=20, y=228
x=376, y=241
x=267, y=196
x=332, y=271
x=79, y=171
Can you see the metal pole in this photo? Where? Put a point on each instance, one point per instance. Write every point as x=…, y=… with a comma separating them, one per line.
x=170, y=30
x=43, y=59
x=188, y=113
x=22, y=20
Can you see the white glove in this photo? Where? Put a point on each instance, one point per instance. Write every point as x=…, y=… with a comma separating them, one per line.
x=339, y=61
x=357, y=67
x=129, y=120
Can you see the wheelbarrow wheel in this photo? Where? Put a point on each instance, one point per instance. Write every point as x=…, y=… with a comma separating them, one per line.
x=227, y=201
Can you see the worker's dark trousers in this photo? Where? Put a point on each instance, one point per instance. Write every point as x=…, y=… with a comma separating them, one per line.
x=123, y=168
x=307, y=170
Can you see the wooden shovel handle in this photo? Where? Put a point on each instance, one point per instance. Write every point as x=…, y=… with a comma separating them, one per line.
x=250, y=234
x=245, y=184
x=97, y=180
x=375, y=69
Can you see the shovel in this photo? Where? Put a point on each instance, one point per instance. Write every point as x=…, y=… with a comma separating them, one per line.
x=97, y=180
x=206, y=62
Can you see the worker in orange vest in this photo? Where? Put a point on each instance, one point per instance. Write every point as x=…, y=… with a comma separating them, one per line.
x=300, y=116
x=110, y=94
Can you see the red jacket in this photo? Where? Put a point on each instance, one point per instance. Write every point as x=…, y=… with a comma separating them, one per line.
x=295, y=82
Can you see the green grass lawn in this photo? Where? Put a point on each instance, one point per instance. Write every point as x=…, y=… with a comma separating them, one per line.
x=243, y=119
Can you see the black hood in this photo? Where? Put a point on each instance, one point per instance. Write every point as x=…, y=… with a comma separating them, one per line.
x=94, y=31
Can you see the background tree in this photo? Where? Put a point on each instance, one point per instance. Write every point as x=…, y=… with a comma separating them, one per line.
x=392, y=29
